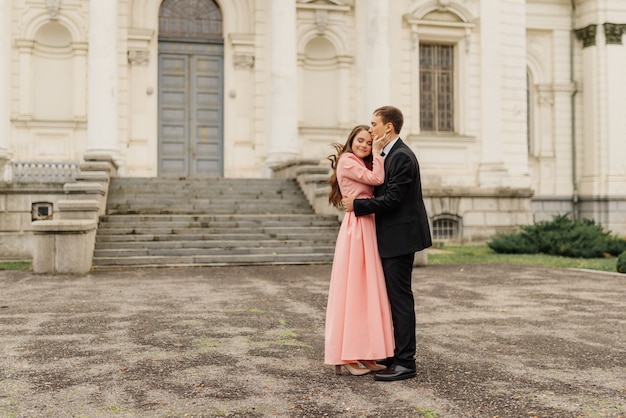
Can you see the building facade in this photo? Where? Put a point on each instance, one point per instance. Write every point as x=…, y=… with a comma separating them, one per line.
x=506, y=102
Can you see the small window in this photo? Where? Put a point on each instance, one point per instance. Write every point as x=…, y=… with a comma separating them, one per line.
x=41, y=211
x=446, y=229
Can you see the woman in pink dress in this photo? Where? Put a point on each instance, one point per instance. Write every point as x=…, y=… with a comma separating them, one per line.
x=358, y=316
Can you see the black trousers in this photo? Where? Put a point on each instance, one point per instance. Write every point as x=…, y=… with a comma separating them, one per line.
x=398, y=272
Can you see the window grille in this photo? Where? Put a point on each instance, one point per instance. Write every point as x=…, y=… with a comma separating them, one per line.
x=437, y=88
x=190, y=20
x=445, y=229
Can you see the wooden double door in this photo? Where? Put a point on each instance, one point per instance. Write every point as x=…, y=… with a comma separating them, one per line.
x=190, y=97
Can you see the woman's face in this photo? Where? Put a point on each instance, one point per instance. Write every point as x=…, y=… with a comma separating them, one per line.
x=362, y=144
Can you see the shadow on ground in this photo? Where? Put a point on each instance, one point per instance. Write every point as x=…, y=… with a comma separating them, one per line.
x=505, y=341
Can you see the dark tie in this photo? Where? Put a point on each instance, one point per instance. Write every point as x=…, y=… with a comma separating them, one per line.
x=382, y=154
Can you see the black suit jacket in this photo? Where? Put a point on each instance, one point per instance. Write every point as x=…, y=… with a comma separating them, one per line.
x=401, y=220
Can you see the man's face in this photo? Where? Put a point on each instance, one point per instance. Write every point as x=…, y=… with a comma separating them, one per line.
x=378, y=129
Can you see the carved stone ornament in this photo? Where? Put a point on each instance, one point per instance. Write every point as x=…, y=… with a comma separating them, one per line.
x=443, y=4
x=243, y=61
x=587, y=35
x=613, y=33
x=53, y=7
x=138, y=57
x=321, y=21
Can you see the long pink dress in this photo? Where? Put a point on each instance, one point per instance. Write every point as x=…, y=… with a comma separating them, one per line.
x=358, y=316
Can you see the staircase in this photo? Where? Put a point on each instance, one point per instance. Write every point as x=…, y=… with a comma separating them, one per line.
x=211, y=221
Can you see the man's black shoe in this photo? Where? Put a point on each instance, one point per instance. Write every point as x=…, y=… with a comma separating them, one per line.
x=395, y=372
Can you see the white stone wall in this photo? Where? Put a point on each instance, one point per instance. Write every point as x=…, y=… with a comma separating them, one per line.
x=16, y=239
x=350, y=57
x=48, y=81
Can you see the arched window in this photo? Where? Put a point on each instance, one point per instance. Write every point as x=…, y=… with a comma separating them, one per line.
x=190, y=20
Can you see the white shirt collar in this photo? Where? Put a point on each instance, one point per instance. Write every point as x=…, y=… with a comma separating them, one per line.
x=390, y=145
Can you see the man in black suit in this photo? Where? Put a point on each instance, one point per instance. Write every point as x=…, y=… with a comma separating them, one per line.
x=402, y=229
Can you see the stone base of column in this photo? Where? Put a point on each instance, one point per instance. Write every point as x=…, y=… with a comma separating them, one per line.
x=63, y=246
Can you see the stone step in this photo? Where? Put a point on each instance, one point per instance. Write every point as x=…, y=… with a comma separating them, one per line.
x=158, y=208
x=214, y=221
x=281, y=187
x=181, y=237
x=218, y=217
x=307, y=235
x=212, y=260
x=183, y=252
x=269, y=231
x=252, y=223
x=112, y=245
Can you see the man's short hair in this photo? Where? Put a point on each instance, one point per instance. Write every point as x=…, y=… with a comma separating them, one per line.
x=390, y=114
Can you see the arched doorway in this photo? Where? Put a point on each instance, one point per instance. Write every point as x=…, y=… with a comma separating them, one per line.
x=191, y=74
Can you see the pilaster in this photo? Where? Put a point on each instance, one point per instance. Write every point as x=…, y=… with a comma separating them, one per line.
x=5, y=89
x=239, y=94
x=492, y=171
x=377, y=77
x=283, y=88
x=102, y=103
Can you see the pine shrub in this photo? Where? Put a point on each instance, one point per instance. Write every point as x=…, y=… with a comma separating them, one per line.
x=577, y=238
x=621, y=263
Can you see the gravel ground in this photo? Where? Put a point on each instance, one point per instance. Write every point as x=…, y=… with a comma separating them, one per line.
x=493, y=341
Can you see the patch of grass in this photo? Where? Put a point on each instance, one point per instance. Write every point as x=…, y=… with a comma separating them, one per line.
x=426, y=413
x=117, y=409
x=15, y=265
x=10, y=410
x=205, y=343
x=481, y=254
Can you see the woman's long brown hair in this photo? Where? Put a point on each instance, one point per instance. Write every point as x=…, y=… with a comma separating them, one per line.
x=334, y=197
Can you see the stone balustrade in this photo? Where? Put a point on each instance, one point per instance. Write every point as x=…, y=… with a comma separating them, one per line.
x=43, y=172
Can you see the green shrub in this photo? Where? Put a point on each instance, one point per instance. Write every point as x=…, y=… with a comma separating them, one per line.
x=578, y=238
x=621, y=263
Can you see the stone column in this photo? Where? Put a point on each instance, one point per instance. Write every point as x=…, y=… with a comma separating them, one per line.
x=377, y=62
x=5, y=89
x=102, y=67
x=283, y=88
x=492, y=171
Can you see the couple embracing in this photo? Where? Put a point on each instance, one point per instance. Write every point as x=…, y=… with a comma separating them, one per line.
x=370, y=318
